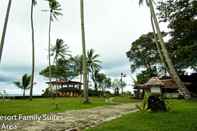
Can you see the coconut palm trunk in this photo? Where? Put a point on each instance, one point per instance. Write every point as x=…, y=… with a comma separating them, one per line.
x=33, y=49
x=5, y=28
x=157, y=44
x=166, y=56
x=85, y=69
x=24, y=93
x=49, y=49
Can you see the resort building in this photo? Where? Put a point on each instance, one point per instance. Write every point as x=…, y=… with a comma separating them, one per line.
x=166, y=88
x=67, y=88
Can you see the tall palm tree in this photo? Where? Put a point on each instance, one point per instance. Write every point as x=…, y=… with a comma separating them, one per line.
x=167, y=60
x=5, y=28
x=33, y=3
x=59, y=51
x=85, y=69
x=53, y=13
x=24, y=83
x=93, y=65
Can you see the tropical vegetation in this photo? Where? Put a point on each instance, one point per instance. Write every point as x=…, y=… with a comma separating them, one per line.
x=160, y=58
x=24, y=83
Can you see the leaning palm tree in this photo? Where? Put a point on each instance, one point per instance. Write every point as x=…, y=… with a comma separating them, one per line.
x=24, y=83
x=93, y=65
x=54, y=11
x=33, y=3
x=5, y=28
x=85, y=69
x=164, y=53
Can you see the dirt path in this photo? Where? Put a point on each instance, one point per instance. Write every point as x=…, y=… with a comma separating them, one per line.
x=78, y=120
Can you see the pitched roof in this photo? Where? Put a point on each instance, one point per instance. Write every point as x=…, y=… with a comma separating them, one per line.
x=154, y=81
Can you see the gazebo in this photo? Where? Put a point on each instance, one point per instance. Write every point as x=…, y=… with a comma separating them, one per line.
x=67, y=88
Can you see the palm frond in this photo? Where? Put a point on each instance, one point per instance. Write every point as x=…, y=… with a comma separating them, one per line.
x=18, y=84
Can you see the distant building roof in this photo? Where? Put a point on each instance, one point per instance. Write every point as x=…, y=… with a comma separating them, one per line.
x=63, y=82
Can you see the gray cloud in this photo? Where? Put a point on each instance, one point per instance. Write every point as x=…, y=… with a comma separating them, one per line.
x=111, y=25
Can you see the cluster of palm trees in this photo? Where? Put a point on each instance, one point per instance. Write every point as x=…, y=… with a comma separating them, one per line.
x=54, y=12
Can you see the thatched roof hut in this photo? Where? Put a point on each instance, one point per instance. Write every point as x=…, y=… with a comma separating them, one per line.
x=154, y=81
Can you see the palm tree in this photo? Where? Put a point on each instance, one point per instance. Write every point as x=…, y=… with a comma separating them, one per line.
x=24, y=83
x=33, y=3
x=5, y=28
x=85, y=69
x=53, y=13
x=164, y=53
x=59, y=51
x=93, y=65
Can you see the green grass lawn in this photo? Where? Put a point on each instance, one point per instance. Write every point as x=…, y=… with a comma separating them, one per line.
x=46, y=105
x=182, y=117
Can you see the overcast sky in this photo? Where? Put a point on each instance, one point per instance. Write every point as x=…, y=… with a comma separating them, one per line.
x=111, y=26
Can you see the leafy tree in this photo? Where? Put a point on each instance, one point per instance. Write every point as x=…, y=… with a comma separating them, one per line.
x=33, y=3
x=168, y=62
x=24, y=83
x=5, y=28
x=145, y=75
x=143, y=53
x=181, y=16
x=85, y=68
x=63, y=70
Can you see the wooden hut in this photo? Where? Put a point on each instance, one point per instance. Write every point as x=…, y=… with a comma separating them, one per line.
x=67, y=88
x=166, y=88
